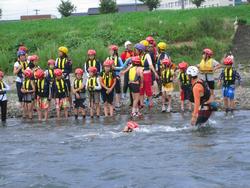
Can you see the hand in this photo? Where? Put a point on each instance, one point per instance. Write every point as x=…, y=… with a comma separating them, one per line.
x=20, y=67
x=193, y=120
x=108, y=91
x=121, y=73
x=77, y=96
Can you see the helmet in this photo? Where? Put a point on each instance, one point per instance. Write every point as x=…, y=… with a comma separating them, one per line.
x=136, y=60
x=192, y=71
x=28, y=73
x=108, y=63
x=21, y=53
x=1, y=73
x=63, y=49
x=166, y=61
x=58, y=72
x=183, y=65
x=228, y=61
x=208, y=51
x=79, y=71
x=22, y=48
x=91, y=52
x=132, y=125
x=162, y=45
x=92, y=69
x=140, y=47
x=39, y=74
x=127, y=43
x=145, y=43
x=113, y=47
x=150, y=39
x=51, y=62
x=33, y=58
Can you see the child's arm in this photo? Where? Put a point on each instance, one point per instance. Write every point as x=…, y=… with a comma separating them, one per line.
x=33, y=87
x=120, y=64
x=126, y=70
x=98, y=87
x=103, y=85
x=7, y=87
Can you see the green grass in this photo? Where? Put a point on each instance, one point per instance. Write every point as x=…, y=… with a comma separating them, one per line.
x=212, y=27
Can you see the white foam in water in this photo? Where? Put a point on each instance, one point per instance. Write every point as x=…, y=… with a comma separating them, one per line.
x=161, y=129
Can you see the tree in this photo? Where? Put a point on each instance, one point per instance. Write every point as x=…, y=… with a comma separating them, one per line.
x=0, y=13
x=108, y=6
x=197, y=2
x=66, y=8
x=152, y=4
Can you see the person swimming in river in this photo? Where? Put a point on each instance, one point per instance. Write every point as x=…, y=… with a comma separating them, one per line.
x=130, y=126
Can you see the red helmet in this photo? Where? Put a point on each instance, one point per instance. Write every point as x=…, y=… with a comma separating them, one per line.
x=79, y=71
x=58, y=72
x=136, y=60
x=51, y=62
x=92, y=69
x=150, y=39
x=39, y=74
x=228, y=61
x=208, y=51
x=23, y=48
x=113, y=47
x=183, y=65
x=91, y=52
x=28, y=73
x=1, y=73
x=108, y=63
x=166, y=61
x=132, y=125
x=34, y=58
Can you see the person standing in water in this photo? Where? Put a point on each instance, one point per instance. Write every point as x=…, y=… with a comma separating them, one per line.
x=3, y=98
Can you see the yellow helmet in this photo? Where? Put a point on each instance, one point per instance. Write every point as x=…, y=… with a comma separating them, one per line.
x=162, y=45
x=63, y=49
x=145, y=43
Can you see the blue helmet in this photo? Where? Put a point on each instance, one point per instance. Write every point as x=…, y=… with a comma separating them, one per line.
x=139, y=46
x=20, y=53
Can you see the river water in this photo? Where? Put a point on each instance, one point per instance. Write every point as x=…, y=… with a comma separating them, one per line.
x=163, y=152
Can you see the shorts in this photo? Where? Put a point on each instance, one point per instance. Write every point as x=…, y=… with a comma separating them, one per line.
x=203, y=116
x=134, y=88
x=210, y=84
x=147, y=85
x=79, y=103
x=109, y=98
x=27, y=98
x=42, y=103
x=118, y=85
x=228, y=92
x=62, y=103
x=94, y=96
x=168, y=88
x=19, y=93
x=185, y=92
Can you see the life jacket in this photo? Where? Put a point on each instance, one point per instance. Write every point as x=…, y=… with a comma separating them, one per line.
x=229, y=76
x=144, y=62
x=91, y=63
x=206, y=95
x=159, y=58
x=133, y=76
x=77, y=84
x=60, y=86
x=184, y=79
x=42, y=88
x=167, y=76
x=24, y=67
x=115, y=59
x=107, y=79
x=60, y=90
x=2, y=86
x=206, y=66
x=51, y=75
x=128, y=54
x=27, y=84
x=92, y=83
x=61, y=63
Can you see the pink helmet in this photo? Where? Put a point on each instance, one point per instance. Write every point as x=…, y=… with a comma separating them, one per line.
x=91, y=52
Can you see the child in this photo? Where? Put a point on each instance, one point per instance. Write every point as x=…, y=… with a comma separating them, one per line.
x=92, y=62
x=33, y=62
x=93, y=86
x=79, y=92
x=42, y=94
x=49, y=74
x=61, y=92
x=3, y=98
x=135, y=83
x=117, y=66
x=167, y=77
x=108, y=81
x=228, y=76
x=131, y=125
x=28, y=89
x=184, y=85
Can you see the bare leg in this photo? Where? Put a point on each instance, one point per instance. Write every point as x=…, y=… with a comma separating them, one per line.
x=46, y=114
x=39, y=112
x=111, y=110
x=66, y=114
x=97, y=109
x=106, y=109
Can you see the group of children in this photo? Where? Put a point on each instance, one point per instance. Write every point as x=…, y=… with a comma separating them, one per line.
x=146, y=69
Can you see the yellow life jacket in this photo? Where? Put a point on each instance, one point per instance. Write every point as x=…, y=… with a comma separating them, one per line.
x=92, y=63
x=143, y=59
x=228, y=74
x=115, y=59
x=51, y=73
x=2, y=86
x=206, y=66
x=107, y=79
x=60, y=86
x=184, y=78
x=133, y=74
x=166, y=76
x=40, y=85
x=27, y=84
x=61, y=63
x=92, y=82
x=24, y=65
x=78, y=84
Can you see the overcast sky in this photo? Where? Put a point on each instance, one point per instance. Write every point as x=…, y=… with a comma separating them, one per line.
x=13, y=9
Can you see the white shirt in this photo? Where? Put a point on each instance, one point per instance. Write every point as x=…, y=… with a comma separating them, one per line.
x=3, y=97
x=18, y=79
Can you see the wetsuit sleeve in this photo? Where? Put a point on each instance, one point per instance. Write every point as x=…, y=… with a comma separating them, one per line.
x=98, y=87
x=120, y=65
x=198, y=91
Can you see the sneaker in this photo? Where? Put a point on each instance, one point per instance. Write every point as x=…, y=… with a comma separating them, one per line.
x=163, y=109
x=169, y=109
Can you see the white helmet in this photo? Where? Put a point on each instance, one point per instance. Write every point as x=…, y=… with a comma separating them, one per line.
x=192, y=71
x=127, y=43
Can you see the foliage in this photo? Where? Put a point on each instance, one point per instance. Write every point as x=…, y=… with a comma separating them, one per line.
x=152, y=4
x=108, y=6
x=197, y=2
x=66, y=8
